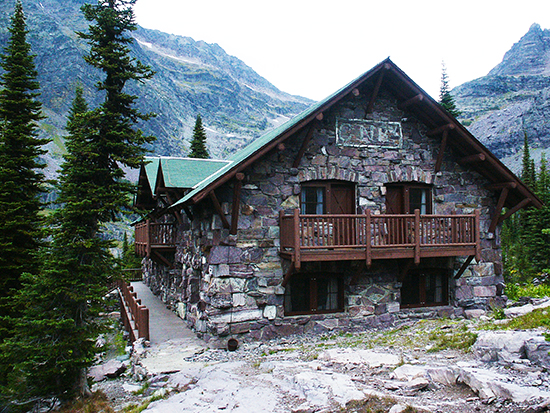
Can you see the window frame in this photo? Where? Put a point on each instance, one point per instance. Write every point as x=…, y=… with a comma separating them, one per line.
x=420, y=283
x=313, y=296
x=327, y=186
x=404, y=189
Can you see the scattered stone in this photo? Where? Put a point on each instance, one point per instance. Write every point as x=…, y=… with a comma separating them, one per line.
x=111, y=369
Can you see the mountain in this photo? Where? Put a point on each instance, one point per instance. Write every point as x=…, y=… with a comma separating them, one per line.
x=513, y=99
x=192, y=77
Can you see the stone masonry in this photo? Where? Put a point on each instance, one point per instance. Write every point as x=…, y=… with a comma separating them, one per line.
x=227, y=285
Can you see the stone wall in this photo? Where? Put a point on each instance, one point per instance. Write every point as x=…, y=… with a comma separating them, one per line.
x=229, y=285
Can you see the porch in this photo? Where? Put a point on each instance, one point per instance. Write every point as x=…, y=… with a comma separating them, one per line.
x=374, y=236
x=153, y=239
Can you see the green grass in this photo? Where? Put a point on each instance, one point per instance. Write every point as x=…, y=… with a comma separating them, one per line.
x=537, y=319
x=515, y=291
x=375, y=404
x=458, y=338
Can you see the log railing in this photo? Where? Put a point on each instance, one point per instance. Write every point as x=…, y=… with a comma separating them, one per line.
x=378, y=236
x=150, y=235
x=135, y=316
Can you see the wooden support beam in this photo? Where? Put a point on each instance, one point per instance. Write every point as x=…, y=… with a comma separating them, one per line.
x=368, y=249
x=437, y=131
x=188, y=212
x=515, y=209
x=218, y=209
x=161, y=259
x=288, y=274
x=442, y=148
x=375, y=91
x=412, y=101
x=355, y=92
x=281, y=147
x=297, y=246
x=303, y=148
x=236, y=202
x=478, y=234
x=417, y=236
x=498, y=210
x=501, y=185
x=478, y=157
x=464, y=266
x=319, y=116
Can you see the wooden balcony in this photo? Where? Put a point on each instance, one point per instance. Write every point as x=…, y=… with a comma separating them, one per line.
x=153, y=238
x=371, y=237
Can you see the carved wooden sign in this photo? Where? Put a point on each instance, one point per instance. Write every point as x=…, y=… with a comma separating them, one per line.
x=362, y=133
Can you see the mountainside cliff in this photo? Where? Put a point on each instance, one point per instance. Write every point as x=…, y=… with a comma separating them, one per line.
x=192, y=77
x=513, y=99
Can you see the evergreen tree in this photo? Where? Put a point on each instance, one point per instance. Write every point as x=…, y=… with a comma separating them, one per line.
x=21, y=179
x=198, y=143
x=54, y=340
x=445, y=98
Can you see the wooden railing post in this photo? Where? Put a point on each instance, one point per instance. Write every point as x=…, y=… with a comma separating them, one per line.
x=477, y=237
x=368, y=238
x=297, y=246
x=144, y=324
x=148, y=237
x=417, y=236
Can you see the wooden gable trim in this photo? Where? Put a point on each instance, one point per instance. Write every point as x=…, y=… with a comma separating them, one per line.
x=376, y=89
x=501, y=185
x=442, y=148
x=477, y=157
x=412, y=101
x=218, y=209
x=305, y=142
x=498, y=209
x=236, y=203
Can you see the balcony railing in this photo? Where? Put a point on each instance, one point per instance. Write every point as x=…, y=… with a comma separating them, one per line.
x=369, y=236
x=150, y=236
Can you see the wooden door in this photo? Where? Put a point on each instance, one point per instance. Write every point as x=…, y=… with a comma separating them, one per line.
x=342, y=201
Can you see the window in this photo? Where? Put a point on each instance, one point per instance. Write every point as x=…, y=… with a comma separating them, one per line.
x=307, y=294
x=327, y=197
x=425, y=288
x=313, y=200
x=405, y=198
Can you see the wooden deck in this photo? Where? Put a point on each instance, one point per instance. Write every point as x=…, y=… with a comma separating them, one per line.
x=154, y=237
x=370, y=237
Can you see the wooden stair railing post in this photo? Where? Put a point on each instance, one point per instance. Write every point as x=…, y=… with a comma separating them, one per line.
x=144, y=323
x=148, y=237
x=477, y=235
x=368, y=238
x=297, y=247
x=417, y=236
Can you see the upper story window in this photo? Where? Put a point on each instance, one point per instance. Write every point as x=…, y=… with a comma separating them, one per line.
x=406, y=197
x=327, y=197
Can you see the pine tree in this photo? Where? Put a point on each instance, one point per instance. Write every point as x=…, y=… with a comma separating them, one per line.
x=21, y=179
x=445, y=98
x=54, y=339
x=198, y=143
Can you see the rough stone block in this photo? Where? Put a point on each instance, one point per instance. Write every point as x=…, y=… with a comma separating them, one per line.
x=270, y=312
x=393, y=307
x=239, y=299
x=485, y=291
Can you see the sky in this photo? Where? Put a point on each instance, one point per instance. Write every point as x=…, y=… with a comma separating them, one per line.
x=312, y=48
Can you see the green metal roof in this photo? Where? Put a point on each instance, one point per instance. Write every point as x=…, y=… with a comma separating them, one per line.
x=151, y=170
x=188, y=172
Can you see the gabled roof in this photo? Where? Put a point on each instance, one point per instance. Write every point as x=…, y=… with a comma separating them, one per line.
x=409, y=95
x=185, y=173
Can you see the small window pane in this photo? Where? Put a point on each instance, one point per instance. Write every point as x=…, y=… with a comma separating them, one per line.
x=313, y=200
x=297, y=295
x=418, y=199
x=327, y=294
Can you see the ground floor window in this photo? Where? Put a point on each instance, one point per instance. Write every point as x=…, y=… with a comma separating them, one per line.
x=317, y=293
x=424, y=288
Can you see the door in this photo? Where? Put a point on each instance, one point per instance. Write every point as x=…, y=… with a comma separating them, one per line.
x=342, y=201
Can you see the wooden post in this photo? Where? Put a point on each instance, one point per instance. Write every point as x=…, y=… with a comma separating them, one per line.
x=439, y=160
x=297, y=246
x=478, y=237
x=144, y=323
x=368, y=238
x=236, y=202
x=218, y=209
x=417, y=236
x=148, y=237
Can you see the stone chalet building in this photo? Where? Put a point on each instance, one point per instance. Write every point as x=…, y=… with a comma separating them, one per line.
x=371, y=206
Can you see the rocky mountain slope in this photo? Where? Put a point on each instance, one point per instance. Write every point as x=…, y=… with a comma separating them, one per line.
x=511, y=100
x=192, y=77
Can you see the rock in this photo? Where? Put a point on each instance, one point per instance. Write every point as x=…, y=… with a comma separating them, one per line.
x=110, y=369
x=352, y=356
x=417, y=384
x=504, y=346
x=537, y=350
x=398, y=408
x=408, y=372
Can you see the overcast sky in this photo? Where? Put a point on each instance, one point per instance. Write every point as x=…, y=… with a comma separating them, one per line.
x=313, y=47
